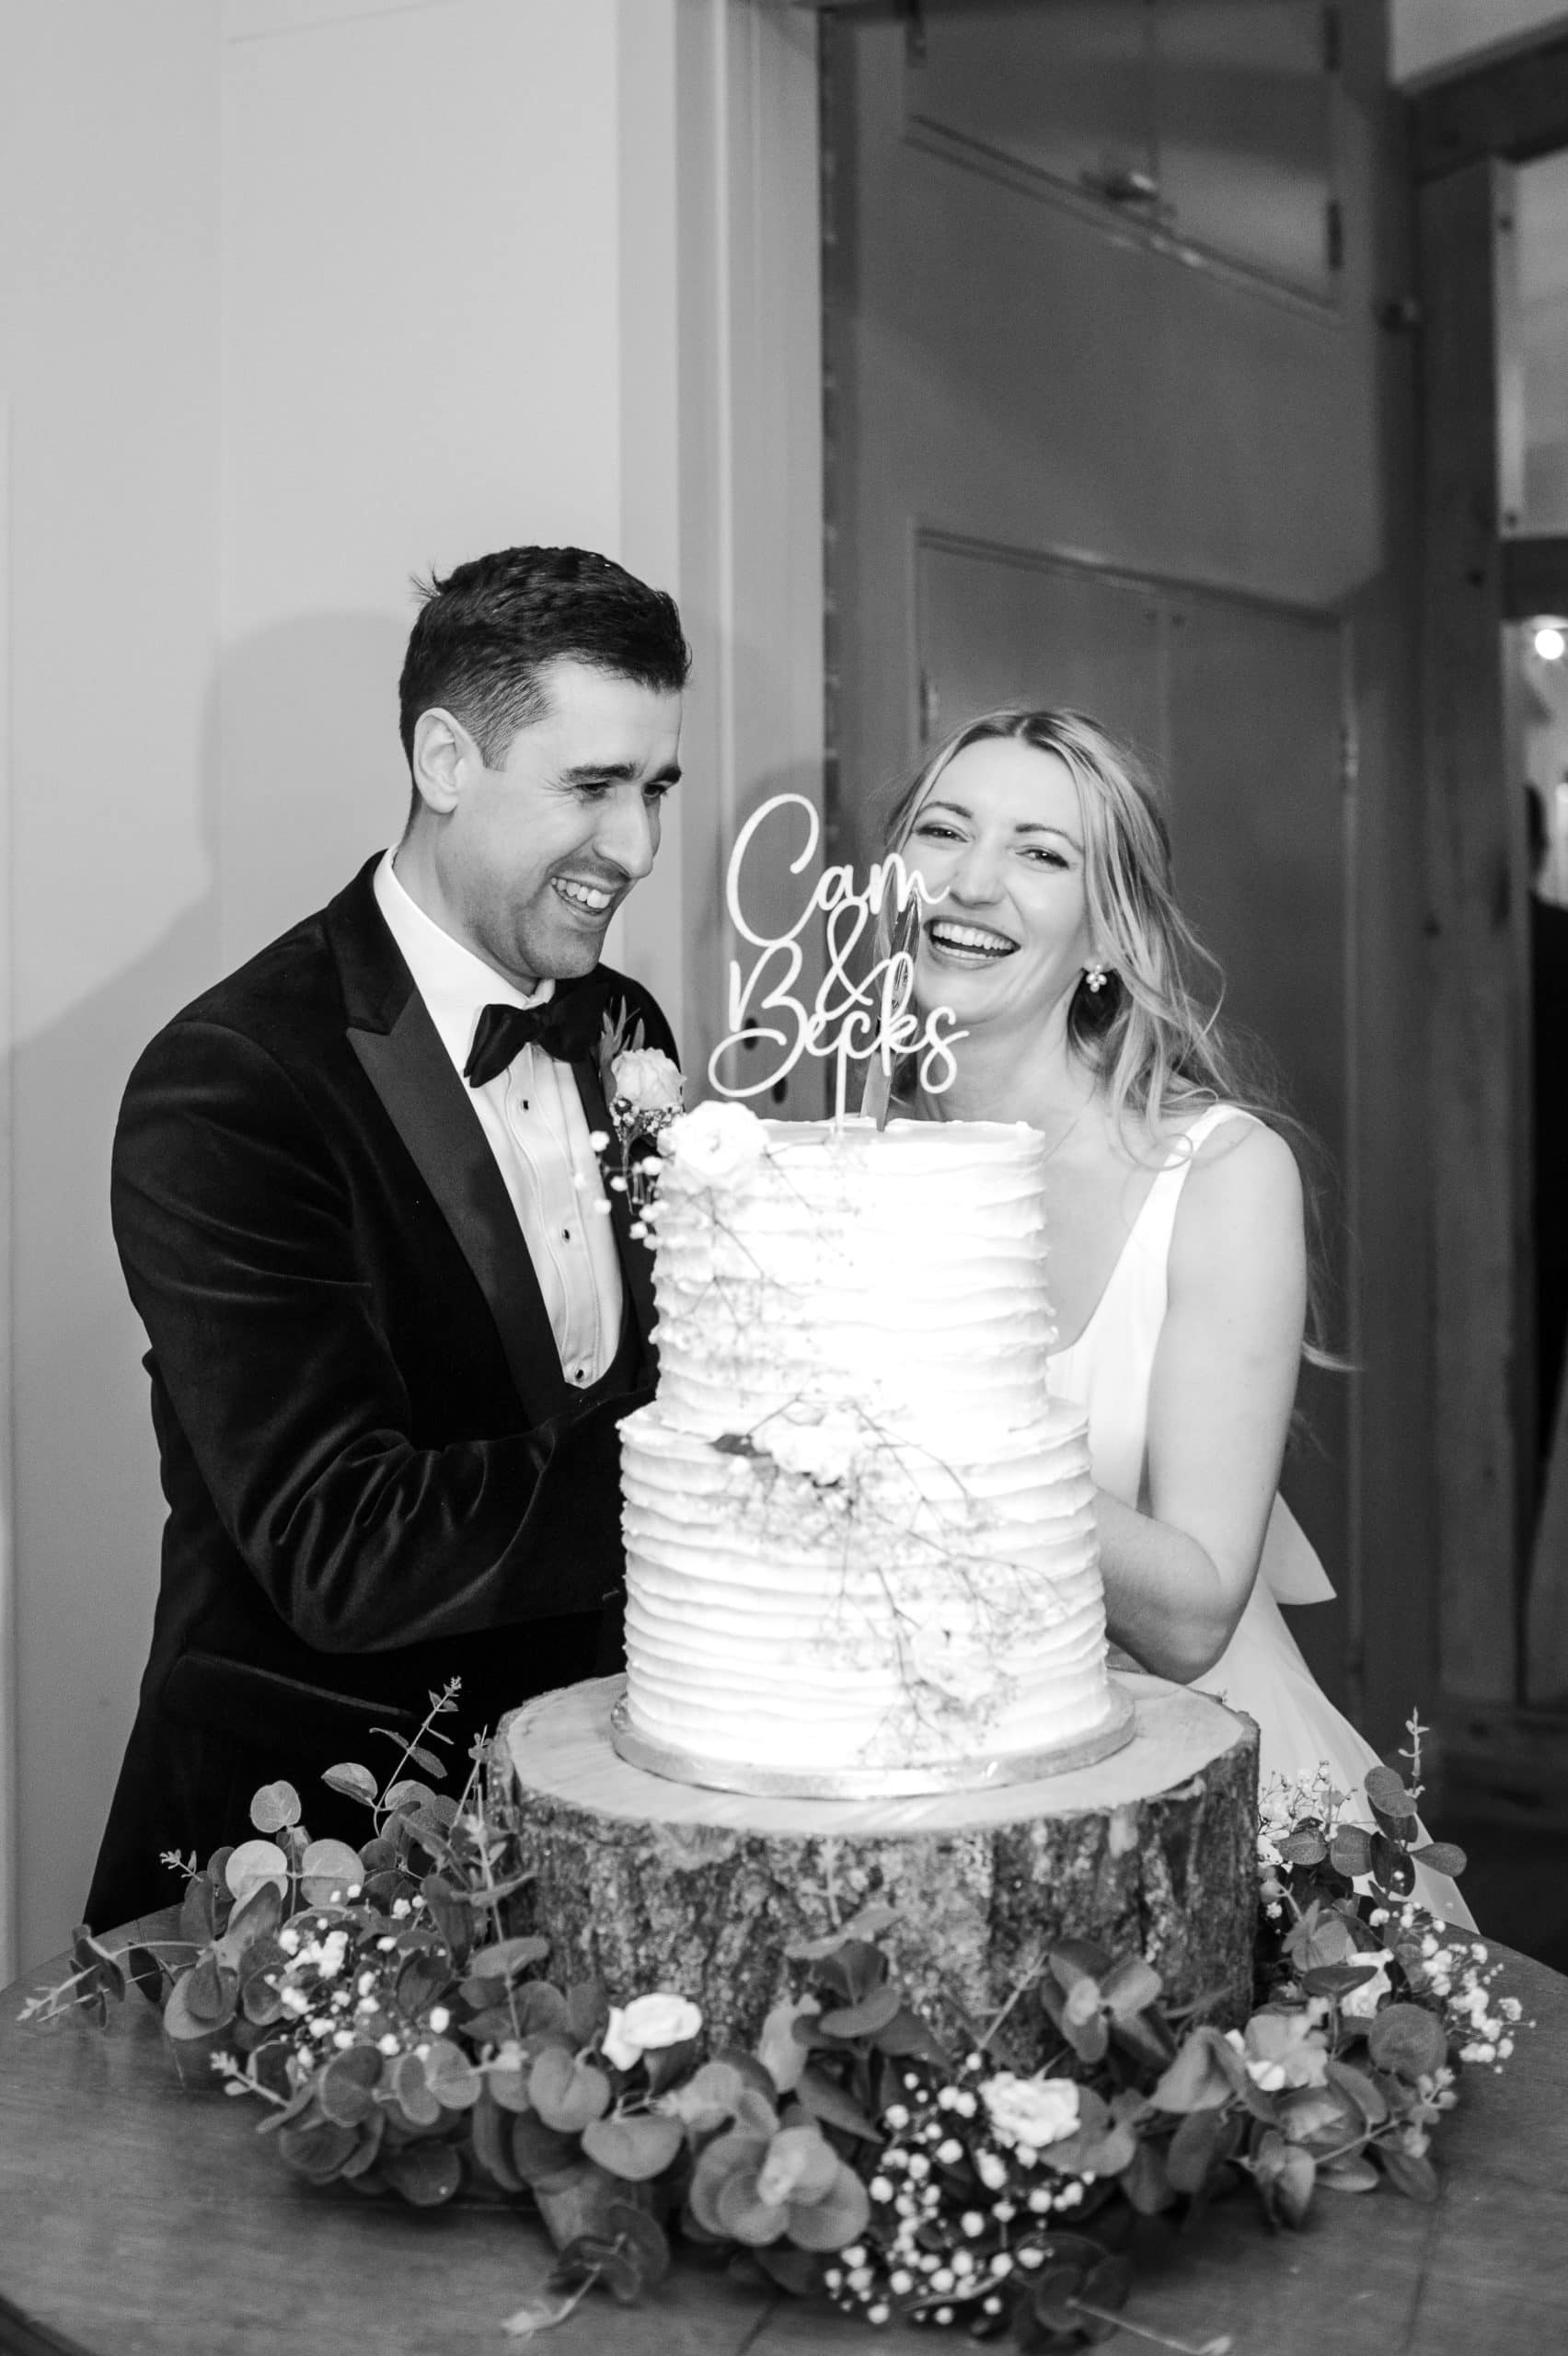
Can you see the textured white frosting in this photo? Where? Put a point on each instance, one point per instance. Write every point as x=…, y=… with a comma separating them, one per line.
x=889, y=1561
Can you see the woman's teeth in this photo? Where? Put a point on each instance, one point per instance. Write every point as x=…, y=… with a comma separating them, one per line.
x=587, y=896
x=970, y=940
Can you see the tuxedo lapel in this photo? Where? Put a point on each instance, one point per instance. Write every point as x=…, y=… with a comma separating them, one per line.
x=636, y=1255
x=399, y=1049
x=412, y=1074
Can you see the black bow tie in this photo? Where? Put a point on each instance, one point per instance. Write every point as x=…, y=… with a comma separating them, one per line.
x=565, y=1026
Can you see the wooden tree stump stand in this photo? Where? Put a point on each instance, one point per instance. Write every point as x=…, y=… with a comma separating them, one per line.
x=655, y=1884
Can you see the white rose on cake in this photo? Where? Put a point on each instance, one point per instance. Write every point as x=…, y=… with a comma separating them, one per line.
x=718, y=1142
x=1030, y=2112
x=647, y=1080
x=824, y=1450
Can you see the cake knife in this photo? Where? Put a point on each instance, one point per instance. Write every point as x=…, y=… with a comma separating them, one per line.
x=877, y=1093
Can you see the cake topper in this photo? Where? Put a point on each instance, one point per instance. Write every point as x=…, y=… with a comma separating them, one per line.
x=850, y=1020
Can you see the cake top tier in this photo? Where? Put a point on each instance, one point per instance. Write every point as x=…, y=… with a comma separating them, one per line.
x=806, y=1265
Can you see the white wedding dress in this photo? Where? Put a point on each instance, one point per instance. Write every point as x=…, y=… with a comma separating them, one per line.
x=1107, y=1372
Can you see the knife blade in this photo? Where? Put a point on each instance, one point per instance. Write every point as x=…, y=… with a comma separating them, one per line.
x=877, y=1093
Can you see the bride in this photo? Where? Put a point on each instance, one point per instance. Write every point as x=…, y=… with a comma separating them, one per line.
x=1177, y=1249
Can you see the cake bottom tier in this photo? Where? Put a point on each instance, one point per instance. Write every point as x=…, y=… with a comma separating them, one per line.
x=924, y=1615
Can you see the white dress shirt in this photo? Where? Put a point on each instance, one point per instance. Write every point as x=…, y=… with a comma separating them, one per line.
x=535, y=1126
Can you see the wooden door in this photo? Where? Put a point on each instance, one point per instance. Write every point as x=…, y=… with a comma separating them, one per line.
x=1242, y=706
x=1104, y=396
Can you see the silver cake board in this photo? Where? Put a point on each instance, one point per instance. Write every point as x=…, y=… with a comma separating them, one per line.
x=980, y=1773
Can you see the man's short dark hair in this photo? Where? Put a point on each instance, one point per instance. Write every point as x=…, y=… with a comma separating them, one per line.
x=487, y=630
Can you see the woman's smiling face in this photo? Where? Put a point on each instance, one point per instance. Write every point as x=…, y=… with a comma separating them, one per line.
x=998, y=842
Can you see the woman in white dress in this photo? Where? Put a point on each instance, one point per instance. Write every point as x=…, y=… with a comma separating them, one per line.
x=1178, y=1248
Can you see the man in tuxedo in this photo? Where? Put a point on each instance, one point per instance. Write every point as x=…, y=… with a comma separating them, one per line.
x=395, y=1314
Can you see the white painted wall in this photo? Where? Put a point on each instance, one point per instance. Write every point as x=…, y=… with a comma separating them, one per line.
x=420, y=361
x=108, y=279
x=335, y=290
x=1427, y=35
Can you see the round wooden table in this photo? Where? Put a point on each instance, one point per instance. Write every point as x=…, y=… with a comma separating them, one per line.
x=137, y=2217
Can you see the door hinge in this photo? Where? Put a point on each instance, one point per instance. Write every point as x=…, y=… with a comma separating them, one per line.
x=930, y=706
x=1334, y=233
x=1350, y=756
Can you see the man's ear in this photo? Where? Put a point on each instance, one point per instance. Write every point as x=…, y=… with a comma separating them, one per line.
x=444, y=758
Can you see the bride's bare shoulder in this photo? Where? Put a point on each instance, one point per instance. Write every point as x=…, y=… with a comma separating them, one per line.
x=1244, y=1187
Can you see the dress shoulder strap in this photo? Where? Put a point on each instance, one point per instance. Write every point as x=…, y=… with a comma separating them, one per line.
x=1156, y=1220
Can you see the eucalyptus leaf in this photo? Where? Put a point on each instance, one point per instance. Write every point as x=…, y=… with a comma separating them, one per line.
x=406, y=1793
x=1407, y=2040
x=1196, y=2080
x=635, y=2148
x=207, y=1993
x=454, y=2080
x=504, y=1958
x=345, y=2086
x=413, y=2090
x=147, y=1973
x=543, y=2158
x=1441, y=1857
x=827, y=2101
x=587, y=2009
x=425, y=2174
x=566, y=2091
x=316, y=2149
x=873, y=2013
x=352, y=1779
x=1352, y=1851
x=1409, y=2172
x=273, y=1806
x=251, y=1865
x=1355, y=2172
x=490, y=2134
x=330, y=1870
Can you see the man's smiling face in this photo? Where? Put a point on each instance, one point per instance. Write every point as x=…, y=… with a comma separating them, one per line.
x=533, y=858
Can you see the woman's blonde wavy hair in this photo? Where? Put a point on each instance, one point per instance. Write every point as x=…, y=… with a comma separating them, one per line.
x=1151, y=1033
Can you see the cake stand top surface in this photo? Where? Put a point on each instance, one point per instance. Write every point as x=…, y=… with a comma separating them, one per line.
x=559, y=1746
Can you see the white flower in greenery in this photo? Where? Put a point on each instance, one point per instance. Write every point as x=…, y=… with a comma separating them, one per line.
x=1360, y=2003
x=1033, y=2111
x=647, y=2025
x=1282, y=2048
x=647, y=1080
x=717, y=1142
x=824, y=1452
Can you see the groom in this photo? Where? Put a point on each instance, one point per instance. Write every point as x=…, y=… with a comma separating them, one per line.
x=395, y=1315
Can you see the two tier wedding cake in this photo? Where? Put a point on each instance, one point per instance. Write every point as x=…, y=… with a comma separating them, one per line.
x=861, y=1546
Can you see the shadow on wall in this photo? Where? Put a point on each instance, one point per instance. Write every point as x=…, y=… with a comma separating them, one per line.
x=300, y=779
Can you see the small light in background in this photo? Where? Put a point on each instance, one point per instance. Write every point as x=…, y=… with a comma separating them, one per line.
x=1550, y=641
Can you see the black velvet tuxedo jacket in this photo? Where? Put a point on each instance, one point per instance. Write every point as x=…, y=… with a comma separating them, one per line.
x=377, y=1475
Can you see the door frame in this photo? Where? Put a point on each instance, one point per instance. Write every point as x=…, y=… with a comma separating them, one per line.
x=1467, y=129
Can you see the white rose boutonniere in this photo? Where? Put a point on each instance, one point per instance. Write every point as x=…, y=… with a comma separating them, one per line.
x=646, y=2026
x=647, y=1082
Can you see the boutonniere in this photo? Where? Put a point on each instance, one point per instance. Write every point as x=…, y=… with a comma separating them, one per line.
x=643, y=1085
x=644, y=1091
